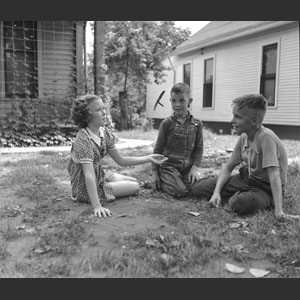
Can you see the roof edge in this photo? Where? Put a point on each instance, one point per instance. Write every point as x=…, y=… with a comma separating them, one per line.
x=213, y=41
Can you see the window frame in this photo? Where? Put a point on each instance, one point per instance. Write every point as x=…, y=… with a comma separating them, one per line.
x=191, y=75
x=269, y=76
x=213, y=57
x=183, y=72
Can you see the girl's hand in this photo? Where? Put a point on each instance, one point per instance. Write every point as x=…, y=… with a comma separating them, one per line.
x=157, y=158
x=102, y=211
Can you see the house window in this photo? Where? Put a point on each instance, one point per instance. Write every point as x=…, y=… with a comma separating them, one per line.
x=208, y=82
x=187, y=74
x=268, y=74
x=20, y=57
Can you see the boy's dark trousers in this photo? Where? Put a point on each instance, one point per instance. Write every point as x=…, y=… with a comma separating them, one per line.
x=243, y=194
x=174, y=181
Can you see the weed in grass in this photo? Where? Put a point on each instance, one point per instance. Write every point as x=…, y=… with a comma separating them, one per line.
x=9, y=232
x=165, y=254
x=46, y=270
x=4, y=253
x=63, y=239
x=294, y=168
x=57, y=270
x=115, y=264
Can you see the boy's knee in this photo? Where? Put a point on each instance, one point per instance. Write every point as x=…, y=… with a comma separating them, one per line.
x=175, y=191
x=249, y=202
x=180, y=193
x=204, y=187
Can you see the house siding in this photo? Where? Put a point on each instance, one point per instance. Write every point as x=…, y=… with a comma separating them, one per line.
x=56, y=62
x=237, y=72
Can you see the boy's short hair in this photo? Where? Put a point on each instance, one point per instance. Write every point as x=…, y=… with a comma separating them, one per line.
x=255, y=102
x=80, y=110
x=181, y=87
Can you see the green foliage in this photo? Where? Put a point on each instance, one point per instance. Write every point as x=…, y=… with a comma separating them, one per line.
x=133, y=50
x=137, y=47
x=24, y=134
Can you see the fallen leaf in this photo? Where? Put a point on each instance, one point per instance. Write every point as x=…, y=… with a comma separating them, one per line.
x=175, y=244
x=273, y=231
x=18, y=208
x=234, y=225
x=195, y=214
x=244, y=224
x=20, y=227
x=152, y=243
x=225, y=249
x=238, y=224
x=240, y=249
x=166, y=257
x=120, y=216
x=258, y=272
x=41, y=251
x=296, y=262
x=234, y=269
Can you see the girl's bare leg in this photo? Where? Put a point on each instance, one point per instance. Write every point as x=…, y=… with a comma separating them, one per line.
x=120, y=177
x=123, y=185
x=124, y=188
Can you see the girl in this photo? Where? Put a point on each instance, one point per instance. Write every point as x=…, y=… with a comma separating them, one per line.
x=89, y=181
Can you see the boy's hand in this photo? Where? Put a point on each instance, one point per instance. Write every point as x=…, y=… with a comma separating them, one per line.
x=215, y=200
x=194, y=175
x=284, y=216
x=155, y=180
x=157, y=158
x=102, y=211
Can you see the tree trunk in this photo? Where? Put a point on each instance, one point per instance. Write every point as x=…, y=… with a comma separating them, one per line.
x=100, y=68
x=99, y=59
x=123, y=101
x=85, y=57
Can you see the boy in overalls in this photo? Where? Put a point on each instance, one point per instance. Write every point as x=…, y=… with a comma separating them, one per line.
x=180, y=140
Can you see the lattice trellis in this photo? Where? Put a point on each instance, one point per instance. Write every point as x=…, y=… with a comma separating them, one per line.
x=40, y=60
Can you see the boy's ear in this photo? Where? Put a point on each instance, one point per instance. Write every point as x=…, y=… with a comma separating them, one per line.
x=190, y=101
x=255, y=120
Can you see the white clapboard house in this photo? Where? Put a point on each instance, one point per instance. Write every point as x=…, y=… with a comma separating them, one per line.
x=227, y=59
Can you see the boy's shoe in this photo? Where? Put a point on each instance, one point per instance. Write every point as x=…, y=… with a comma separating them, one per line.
x=146, y=184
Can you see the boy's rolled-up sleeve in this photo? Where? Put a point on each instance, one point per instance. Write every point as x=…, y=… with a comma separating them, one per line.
x=161, y=139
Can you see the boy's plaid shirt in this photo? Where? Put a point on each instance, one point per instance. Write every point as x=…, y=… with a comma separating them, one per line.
x=181, y=143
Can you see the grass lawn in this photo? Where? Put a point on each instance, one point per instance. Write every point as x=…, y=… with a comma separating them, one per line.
x=43, y=233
